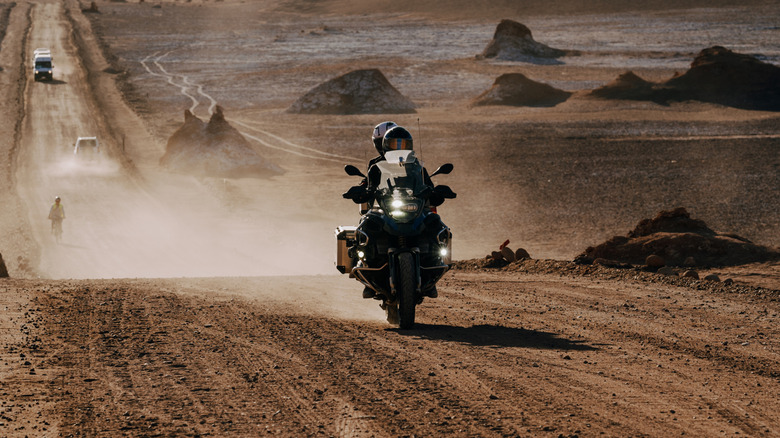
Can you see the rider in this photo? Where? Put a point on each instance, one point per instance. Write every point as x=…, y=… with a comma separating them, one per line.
x=395, y=138
x=56, y=213
x=398, y=138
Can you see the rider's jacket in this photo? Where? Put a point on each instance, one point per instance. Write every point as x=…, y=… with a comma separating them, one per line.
x=57, y=211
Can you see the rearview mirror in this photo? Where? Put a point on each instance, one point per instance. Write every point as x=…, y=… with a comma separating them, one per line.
x=352, y=170
x=444, y=169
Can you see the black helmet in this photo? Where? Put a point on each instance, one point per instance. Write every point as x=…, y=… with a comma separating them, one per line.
x=379, y=134
x=397, y=138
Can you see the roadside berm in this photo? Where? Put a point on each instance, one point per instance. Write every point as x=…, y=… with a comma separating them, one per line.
x=673, y=238
x=214, y=149
x=357, y=92
x=717, y=75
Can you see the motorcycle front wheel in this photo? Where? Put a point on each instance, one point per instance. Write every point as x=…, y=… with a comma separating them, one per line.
x=407, y=285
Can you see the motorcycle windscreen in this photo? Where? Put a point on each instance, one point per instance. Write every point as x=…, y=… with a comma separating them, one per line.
x=400, y=169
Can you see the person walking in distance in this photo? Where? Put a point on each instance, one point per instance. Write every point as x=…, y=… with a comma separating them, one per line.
x=56, y=216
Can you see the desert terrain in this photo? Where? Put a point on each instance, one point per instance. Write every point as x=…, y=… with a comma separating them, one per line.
x=185, y=305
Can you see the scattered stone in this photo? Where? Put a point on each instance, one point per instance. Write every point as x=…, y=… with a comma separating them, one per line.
x=508, y=254
x=728, y=281
x=515, y=89
x=690, y=273
x=522, y=254
x=354, y=93
x=496, y=255
x=610, y=263
x=512, y=41
x=654, y=261
x=712, y=277
x=667, y=270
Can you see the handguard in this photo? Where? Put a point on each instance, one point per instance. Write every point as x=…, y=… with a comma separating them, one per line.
x=358, y=194
x=439, y=194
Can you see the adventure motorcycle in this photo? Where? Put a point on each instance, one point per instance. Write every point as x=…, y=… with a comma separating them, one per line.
x=401, y=248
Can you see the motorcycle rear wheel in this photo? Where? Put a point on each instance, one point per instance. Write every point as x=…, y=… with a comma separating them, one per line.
x=407, y=285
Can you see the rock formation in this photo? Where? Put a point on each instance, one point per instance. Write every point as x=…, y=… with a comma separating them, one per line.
x=517, y=90
x=214, y=149
x=512, y=41
x=717, y=75
x=357, y=92
x=3, y=269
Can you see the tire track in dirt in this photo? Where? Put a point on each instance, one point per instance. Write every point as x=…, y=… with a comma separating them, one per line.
x=186, y=84
x=654, y=355
x=546, y=356
x=183, y=89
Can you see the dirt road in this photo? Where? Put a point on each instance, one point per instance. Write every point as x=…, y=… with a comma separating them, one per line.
x=121, y=222
x=498, y=354
x=539, y=348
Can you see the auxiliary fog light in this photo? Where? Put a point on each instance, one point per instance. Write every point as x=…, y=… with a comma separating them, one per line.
x=361, y=254
x=396, y=204
x=443, y=251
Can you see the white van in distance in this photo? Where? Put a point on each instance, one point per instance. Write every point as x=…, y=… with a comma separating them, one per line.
x=43, y=65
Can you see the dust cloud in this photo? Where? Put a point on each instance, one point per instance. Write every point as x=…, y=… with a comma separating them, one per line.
x=170, y=226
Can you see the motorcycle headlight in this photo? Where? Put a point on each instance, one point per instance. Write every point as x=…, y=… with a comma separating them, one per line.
x=399, y=206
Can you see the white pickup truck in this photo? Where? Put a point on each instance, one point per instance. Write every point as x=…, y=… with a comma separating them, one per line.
x=43, y=65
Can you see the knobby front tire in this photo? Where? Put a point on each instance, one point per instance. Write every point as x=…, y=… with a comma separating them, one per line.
x=407, y=285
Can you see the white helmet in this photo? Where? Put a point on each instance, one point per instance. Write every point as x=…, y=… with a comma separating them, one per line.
x=379, y=133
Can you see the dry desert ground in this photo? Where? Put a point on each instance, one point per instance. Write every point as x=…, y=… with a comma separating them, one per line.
x=190, y=305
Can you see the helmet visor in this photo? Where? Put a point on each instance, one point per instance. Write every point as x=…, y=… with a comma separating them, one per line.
x=399, y=144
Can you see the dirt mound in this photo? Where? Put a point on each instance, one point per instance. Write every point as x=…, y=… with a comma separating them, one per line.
x=513, y=41
x=517, y=90
x=680, y=241
x=214, y=149
x=717, y=75
x=354, y=93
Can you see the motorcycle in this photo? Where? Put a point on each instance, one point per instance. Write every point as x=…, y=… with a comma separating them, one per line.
x=400, y=248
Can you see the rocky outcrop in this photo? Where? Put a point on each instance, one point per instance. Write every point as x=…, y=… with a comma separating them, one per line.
x=517, y=90
x=214, y=149
x=3, y=269
x=357, y=92
x=627, y=86
x=673, y=238
x=512, y=41
x=717, y=75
